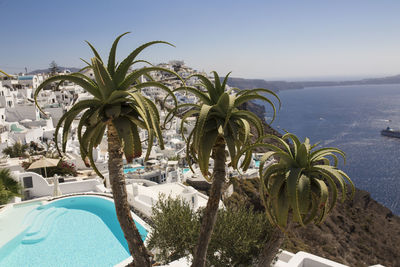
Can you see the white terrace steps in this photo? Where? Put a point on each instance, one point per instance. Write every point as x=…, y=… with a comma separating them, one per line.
x=43, y=220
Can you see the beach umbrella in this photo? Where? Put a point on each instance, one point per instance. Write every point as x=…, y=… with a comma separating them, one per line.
x=44, y=163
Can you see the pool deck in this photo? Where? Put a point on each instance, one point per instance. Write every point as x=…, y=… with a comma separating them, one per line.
x=12, y=218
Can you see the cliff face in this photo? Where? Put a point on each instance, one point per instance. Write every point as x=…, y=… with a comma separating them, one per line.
x=358, y=232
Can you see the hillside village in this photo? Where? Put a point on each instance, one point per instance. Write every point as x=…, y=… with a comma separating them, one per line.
x=21, y=121
x=166, y=172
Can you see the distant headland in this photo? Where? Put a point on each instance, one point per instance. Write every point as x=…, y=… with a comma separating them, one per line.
x=277, y=85
x=284, y=85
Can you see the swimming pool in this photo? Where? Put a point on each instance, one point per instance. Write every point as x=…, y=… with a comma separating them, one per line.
x=256, y=163
x=73, y=231
x=126, y=170
x=185, y=170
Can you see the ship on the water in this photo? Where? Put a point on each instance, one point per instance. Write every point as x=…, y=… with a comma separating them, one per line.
x=390, y=132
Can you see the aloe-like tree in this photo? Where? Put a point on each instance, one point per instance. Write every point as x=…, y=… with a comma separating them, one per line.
x=300, y=186
x=118, y=106
x=220, y=124
x=8, y=186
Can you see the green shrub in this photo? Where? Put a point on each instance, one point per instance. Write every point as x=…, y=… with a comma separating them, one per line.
x=238, y=237
x=237, y=240
x=175, y=229
x=63, y=168
x=8, y=186
x=16, y=150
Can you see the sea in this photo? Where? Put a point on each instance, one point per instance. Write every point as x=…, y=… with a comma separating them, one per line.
x=351, y=118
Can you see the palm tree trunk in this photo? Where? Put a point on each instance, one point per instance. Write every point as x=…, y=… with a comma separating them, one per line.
x=210, y=213
x=271, y=248
x=117, y=179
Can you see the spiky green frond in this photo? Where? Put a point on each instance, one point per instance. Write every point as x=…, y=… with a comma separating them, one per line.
x=111, y=57
x=126, y=83
x=218, y=114
x=302, y=183
x=123, y=68
x=96, y=54
x=203, y=97
x=117, y=99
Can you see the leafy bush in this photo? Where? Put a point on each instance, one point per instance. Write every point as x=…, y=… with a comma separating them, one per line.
x=63, y=168
x=8, y=186
x=175, y=229
x=25, y=165
x=35, y=149
x=177, y=157
x=16, y=150
x=237, y=240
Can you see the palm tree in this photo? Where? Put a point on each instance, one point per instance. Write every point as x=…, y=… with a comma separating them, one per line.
x=302, y=186
x=118, y=106
x=8, y=186
x=220, y=123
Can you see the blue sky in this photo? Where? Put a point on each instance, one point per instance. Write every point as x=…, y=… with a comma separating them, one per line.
x=254, y=39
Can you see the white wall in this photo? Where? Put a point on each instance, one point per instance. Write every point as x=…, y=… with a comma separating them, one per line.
x=49, y=134
x=55, y=114
x=143, y=198
x=301, y=259
x=4, y=138
x=79, y=186
x=28, y=135
x=42, y=188
x=141, y=203
x=33, y=135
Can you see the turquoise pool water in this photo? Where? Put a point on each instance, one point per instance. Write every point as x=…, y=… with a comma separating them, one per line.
x=257, y=163
x=185, y=170
x=126, y=170
x=75, y=231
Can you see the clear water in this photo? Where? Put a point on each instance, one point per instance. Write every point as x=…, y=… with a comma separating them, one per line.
x=87, y=234
x=185, y=170
x=256, y=163
x=350, y=118
x=126, y=170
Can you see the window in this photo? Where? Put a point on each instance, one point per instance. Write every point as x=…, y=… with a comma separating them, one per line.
x=28, y=183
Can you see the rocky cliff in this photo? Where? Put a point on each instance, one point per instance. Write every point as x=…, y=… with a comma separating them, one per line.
x=359, y=232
